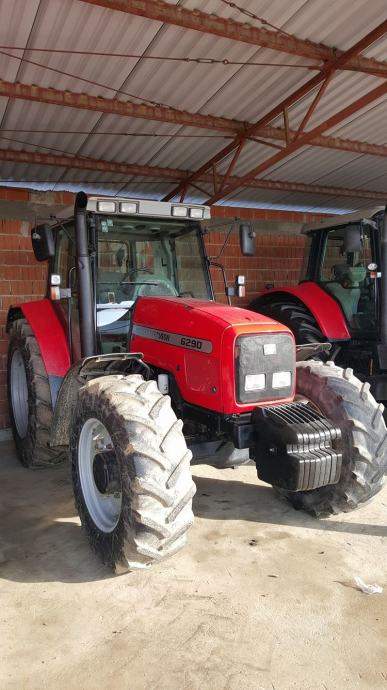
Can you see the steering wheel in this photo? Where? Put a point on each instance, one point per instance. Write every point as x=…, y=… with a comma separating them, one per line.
x=147, y=281
x=167, y=288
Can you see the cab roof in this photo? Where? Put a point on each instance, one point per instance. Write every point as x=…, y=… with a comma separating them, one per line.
x=115, y=205
x=343, y=219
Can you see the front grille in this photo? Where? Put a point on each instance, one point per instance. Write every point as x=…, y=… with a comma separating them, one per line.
x=251, y=359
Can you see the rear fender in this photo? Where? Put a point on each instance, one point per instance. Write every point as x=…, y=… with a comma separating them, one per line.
x=49, y=333
x=324, y=308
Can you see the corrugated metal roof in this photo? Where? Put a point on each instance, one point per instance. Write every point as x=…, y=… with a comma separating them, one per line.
x=241, y=92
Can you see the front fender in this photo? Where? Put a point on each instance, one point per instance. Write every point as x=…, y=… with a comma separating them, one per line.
x=85, y=370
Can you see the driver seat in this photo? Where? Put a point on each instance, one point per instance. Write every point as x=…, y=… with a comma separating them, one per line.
x=346, y=288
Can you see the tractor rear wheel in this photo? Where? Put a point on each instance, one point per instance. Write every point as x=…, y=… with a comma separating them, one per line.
x=29, y=399
x=293, y=315
x=339, y=395
x=131, y=472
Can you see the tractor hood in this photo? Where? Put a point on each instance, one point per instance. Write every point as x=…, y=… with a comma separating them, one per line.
x=196, y=342
x=177, y=311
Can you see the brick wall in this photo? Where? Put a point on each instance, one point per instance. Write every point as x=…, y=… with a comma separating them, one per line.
x=278, y=259
x=21, y=279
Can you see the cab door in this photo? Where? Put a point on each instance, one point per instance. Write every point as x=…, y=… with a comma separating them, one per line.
x=64, y=266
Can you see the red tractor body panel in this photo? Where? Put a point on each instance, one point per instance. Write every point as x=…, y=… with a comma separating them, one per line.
x=50, y=335
x=195, y=340
x=324, y=308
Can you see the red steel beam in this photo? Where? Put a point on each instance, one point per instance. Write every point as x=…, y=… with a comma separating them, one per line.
x=329, y=142
x=303, y=140
x=293, y=98
x=173, y=174
x=113, y=106
x=71, y=99
x=238, y=31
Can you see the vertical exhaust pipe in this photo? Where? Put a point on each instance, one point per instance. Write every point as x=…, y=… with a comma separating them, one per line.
x=85, y=288
x=383, y=287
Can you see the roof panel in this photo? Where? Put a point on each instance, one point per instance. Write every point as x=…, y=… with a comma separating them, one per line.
x=241, y=92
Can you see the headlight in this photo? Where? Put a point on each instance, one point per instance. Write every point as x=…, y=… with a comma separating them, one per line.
x=255, y=382
x=282, y=379
x=264, y=367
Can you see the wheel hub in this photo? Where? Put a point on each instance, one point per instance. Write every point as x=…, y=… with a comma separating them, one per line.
x=105, y=472
x=19, y=393
x=99, y=475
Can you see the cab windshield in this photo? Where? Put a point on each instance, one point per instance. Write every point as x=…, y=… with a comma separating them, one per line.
x=142, y=257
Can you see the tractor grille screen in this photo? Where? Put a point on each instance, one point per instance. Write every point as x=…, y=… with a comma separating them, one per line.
x=265, y=366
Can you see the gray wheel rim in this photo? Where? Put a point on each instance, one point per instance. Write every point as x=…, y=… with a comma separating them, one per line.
x=19, y=394
x=104, y=508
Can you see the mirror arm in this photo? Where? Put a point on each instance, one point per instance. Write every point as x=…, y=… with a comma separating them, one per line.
x=226, y=288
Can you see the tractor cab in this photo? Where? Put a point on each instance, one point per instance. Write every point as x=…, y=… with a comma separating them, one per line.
x=343, y=259
x=341, y=298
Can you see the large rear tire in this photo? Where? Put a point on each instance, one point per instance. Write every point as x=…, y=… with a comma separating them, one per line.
x=131, y=472
x=29, y=399
x=293, y=315
x=339, y=395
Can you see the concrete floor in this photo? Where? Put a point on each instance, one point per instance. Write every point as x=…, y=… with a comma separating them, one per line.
x=263, y=596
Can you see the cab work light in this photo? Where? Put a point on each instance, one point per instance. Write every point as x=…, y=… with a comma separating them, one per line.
x=180, y=211
x=128, y=207
x=196, y=213
x=106, y=206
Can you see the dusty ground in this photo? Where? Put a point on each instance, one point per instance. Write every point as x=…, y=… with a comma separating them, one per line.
x=262, y=598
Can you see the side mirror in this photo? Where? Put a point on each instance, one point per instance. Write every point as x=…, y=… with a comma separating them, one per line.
x=247, y=239
x=353, y=237
x=43, y=242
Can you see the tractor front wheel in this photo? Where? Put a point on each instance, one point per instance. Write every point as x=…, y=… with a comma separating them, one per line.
x=340, y=396
x=131, y=472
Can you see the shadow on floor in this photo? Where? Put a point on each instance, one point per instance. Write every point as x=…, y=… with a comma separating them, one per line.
x=41, y=538
x=235, y=500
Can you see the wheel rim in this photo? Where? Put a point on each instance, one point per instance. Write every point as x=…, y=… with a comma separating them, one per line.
x=99, y=475
x=19, y=394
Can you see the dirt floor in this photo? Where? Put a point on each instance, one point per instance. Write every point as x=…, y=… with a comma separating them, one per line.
x=263, y=597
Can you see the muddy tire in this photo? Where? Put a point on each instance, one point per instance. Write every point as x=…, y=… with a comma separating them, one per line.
x=131, y=472
x=293, y=315
x=29, y=399
x=348, y=403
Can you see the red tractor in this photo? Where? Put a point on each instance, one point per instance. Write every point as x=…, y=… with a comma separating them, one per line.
x=342, y=297
x=130, y=365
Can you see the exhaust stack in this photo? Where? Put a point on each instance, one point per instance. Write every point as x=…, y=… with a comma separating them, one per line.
x=85, y=288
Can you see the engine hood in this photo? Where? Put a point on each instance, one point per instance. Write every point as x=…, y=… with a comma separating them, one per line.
x=176, y=311
x=196, y=342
